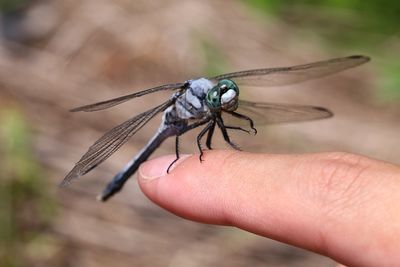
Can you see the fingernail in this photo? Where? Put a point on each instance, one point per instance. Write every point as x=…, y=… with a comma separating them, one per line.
x=157, y=168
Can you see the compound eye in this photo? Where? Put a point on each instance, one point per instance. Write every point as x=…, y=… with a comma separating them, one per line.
x=213, y=97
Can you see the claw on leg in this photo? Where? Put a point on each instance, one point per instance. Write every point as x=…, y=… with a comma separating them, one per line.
x=244, y=117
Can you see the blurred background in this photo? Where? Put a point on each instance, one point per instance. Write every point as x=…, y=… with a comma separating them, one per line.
x=56, y=55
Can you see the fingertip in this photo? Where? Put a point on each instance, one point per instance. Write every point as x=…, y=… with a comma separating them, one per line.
x=158, y=167
x=159, y=184
x=153, y=171
x=191, y=189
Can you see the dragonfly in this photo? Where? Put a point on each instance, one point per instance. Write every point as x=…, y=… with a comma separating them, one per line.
x=208, y=102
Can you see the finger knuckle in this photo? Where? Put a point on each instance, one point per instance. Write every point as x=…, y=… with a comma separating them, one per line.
x=339, y=182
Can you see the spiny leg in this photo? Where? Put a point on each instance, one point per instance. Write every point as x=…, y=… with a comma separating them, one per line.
x=176, y=153
x=200, y=136
x=194, y=125
x=244, y=117
x=188, y=128
x=210, y=135
x=221, y=125
x=237, y=128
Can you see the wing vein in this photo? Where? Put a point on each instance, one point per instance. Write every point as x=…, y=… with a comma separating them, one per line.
x=111, y=141
x=288, y=75
x=119, y=100
x=272, y=113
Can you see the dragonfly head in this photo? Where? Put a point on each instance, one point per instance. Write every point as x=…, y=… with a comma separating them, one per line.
x=223, y=96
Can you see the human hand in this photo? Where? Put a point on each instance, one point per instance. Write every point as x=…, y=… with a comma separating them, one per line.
x=344, y=206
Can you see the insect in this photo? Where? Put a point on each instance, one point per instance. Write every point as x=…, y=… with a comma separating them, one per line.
x=205, y=102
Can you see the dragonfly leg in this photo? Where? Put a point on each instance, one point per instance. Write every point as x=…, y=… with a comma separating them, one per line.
x=210, y=135
x=200, y=136
x=221, y=125
x=192, y=126
x=237, y=128
x=176, y=153
x=244, y=117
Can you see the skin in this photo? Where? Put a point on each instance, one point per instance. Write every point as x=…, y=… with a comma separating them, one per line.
x=343, y=206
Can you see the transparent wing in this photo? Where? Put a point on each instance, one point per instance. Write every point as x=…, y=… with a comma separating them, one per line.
x=271, y=113
x=294, y=74
x=111, y=142
x=116, y=101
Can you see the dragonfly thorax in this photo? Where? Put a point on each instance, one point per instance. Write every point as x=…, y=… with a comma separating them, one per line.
x=192, y=103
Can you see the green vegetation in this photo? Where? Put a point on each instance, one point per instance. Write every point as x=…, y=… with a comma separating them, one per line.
x=371, y=27
x=380, y=16
x=25, y=205
x=214, y=58
x=11, y=5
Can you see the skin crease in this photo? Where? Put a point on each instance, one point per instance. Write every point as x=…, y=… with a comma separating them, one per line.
x=341, y=205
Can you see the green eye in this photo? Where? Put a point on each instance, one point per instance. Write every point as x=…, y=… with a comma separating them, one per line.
x=228, y=85
x=214, y=95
